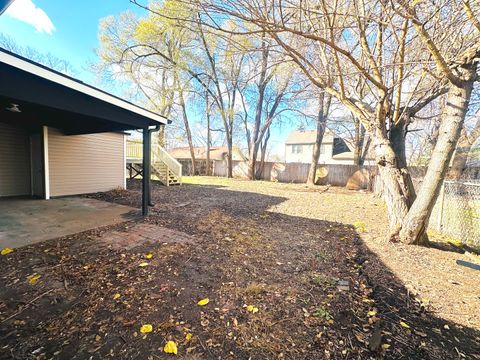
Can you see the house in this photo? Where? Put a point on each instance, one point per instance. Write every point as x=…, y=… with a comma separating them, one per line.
x=334, y=150
x=216, y=153
x=59, y=136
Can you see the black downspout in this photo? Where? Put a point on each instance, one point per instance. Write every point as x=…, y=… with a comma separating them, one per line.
x=147, y=162
x=146, y=171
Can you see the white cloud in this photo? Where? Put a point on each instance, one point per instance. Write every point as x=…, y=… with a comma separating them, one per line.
x=26, y=11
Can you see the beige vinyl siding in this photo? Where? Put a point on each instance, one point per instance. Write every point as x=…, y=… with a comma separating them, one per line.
x=81, y=164
x=14, y=161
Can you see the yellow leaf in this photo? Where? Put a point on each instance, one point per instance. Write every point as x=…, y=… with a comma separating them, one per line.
x=252, y=309
x=147, y=328
x=170, y=348
x=148, y=256
x=385, y=346
x=372, y=313
x=33, y=279
x=116, y=296
x=143, y=264
x=188, y=337
x=405, y=325
x=456, y=243
x=203, y=302
x=6, y=251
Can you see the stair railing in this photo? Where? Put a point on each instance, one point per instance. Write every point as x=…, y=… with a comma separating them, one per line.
x=160, y=154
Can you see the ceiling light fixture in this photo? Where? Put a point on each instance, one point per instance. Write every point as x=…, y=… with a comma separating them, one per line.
x=14, y=108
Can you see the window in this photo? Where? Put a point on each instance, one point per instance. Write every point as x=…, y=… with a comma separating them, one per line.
x=297, y=149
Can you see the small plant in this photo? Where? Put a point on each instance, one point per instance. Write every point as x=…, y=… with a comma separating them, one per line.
x=324, y=280
x=360, y=226
x=322, y=313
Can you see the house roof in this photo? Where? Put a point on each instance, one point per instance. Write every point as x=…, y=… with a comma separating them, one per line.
x=308, y=137
x=216, y=153
x=47, y=97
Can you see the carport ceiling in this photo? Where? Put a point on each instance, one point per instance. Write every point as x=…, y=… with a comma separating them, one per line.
x=46, y=97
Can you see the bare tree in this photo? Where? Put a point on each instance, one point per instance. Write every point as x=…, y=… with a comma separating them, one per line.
x=383, y=44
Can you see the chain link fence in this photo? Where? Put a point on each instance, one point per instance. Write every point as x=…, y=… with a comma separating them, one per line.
x=457, y=211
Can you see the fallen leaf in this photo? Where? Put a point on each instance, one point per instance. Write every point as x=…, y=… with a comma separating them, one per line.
x=188, y=337
x=170, y=348
x=33, y=279
x=405, y=325
x=143, y=264
x=203, y=302
x=116, y=296
x=372, y=313
x=6, y=251
x=147, y=328
x=454, y=242
x=385, y=346
x=148, y=256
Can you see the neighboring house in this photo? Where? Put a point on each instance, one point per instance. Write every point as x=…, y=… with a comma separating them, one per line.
x=59, y=136
x=334, y=150
x=216, y=153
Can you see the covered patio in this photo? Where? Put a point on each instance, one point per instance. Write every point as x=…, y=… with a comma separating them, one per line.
x=52, y=127
x=28, y=221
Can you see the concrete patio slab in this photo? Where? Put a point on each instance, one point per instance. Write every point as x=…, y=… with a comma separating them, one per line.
x=28, y=221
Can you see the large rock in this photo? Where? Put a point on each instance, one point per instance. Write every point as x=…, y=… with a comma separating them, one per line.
x=359, y=180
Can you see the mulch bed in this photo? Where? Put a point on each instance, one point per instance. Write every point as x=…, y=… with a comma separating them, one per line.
x=279, y=286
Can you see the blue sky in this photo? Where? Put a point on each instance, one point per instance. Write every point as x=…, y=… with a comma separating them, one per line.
x=68, y=30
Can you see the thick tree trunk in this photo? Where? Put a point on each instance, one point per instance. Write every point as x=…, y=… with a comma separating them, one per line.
x=321, y=123
x=263, y=149
x=394, y=190
x=464, y=145
x=398, y=132
x=413, y=230
x=252, y=161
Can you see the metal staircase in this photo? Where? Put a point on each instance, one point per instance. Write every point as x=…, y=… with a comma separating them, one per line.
x=164, y=167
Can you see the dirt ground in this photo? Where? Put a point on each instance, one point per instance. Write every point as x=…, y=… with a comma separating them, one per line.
x=290, y=272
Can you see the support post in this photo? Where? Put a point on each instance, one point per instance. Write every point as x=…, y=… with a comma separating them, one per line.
x=146, y=171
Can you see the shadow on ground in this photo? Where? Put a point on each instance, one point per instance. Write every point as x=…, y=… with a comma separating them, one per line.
x=319, y=291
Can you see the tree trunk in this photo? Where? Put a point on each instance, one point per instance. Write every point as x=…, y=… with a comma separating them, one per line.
x=208, y=172
x=323, y=107
x=263, y=149
x=461, y=152
x=394, y=191
x=188, y=132
x=359, y=141
x=229, y=156
x=365, y=149
x=398, y=132
x=414, y=226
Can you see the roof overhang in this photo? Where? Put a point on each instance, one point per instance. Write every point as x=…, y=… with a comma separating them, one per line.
x=4, y=4
x=47, y=97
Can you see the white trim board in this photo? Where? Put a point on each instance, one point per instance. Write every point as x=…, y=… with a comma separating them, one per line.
x=46, y=164
x=71, y=83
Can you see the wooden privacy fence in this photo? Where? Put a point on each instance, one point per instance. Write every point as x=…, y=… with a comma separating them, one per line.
x=336, y=175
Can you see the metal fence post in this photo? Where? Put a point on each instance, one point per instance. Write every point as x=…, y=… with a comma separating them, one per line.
x=440, y=211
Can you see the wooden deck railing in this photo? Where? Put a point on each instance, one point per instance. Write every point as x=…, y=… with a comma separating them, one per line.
x=134, y=154
x=134, y=149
